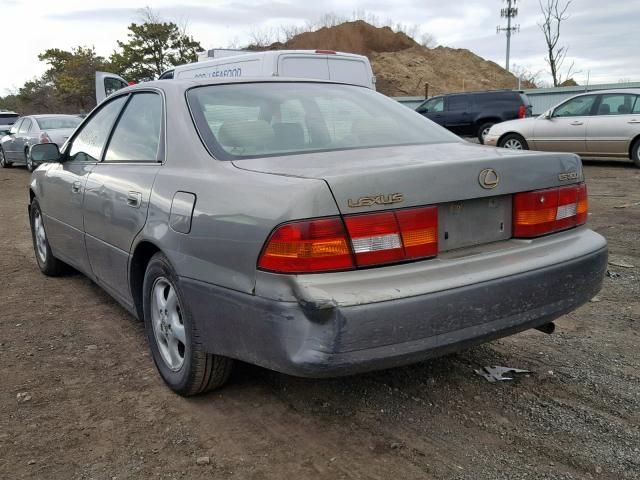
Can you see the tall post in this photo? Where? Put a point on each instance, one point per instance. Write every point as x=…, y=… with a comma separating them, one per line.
x=508, y=13
x=508, y=34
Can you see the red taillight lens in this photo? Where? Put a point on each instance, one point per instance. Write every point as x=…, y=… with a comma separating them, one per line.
x=522, y=112
x=369, y=239
x=307, y=246
x=44, y=138
x=546, y=211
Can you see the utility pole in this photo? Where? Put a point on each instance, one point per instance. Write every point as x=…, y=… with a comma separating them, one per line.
x=510, y=12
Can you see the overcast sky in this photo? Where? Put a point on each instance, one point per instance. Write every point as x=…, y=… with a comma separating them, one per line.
x=601, y=35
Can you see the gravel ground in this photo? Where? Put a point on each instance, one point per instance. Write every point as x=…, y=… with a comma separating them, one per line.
x=80, y=396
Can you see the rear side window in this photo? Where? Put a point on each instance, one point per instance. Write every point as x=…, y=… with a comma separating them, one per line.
x=113, y=85
x=636, y=108
x=25, y=126
x=136, y=137
x=458, y=103
x=87, y=146
x=616, y=104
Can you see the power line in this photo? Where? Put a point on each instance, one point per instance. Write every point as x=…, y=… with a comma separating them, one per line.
x=510, y=12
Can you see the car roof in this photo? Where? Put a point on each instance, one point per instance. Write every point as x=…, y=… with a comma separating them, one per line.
x=631, y=91
x=50, y=115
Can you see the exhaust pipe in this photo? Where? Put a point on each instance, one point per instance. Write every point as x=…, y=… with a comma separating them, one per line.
x=548, y=328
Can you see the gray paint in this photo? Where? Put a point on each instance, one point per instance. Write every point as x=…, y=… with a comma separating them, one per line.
x=293, y=322
x=181, y=212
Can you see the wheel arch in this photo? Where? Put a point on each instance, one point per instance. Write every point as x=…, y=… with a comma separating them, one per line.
x=510, y=132
x=142, y=253
x=632, y=144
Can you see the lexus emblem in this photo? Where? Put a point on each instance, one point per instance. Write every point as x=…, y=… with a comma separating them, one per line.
x=488, y=178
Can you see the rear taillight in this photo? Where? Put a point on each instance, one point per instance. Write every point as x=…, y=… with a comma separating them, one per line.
x=44, y=138
x=522, y=111
x=546, y=211
x=368, y=239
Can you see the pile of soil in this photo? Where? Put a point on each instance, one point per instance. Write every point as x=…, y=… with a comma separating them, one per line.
x=404, y=67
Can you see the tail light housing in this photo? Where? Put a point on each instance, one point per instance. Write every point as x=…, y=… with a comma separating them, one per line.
x=330, y=244
x=546, y=211
x=44, y=138
x=522, y=111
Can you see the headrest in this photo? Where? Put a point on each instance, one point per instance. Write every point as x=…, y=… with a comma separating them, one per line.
x=604, y=109
x=246, y=134
x=624, y=109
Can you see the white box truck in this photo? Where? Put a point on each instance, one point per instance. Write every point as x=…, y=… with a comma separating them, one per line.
x=314, y=64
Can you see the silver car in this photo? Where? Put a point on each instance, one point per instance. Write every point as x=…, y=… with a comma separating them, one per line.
x=313, y=228
x=31, y=130
x=602, y=124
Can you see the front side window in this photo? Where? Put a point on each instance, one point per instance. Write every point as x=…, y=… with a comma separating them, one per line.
x=435, y=105
x=88, y=145
x=284, y=118
x=137, y=135
x=616, y=104
x=113, y=85
x=576, y=107
x=25, y=126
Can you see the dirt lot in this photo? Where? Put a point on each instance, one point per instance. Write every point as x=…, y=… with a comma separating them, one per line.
x=92, y=406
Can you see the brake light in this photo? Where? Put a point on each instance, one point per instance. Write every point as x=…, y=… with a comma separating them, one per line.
x=307, y=246
x=327, y=52
x=546, y=211
x=44, y=138
x=522, y=112
x=321, y=245
x=131, y=83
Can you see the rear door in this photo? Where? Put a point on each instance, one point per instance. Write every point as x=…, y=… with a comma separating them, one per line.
x=566, y=130
x=303, y=66
x=107, y=83
x=457, y=115
x=611, y=129
x=21, y=139
x=63, y=191
x=119, y=187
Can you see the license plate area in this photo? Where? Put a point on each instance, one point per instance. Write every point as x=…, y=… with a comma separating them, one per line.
x=474, y=222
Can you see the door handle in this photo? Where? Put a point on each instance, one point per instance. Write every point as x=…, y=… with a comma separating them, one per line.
x=576, y=123
x=76, y=187
x=134, y=199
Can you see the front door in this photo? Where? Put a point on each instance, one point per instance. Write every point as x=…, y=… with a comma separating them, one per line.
x=118, y=190
x=614, y=125
x=433, y=109
x=566, y=129
x=63, y=193
x=457, y=116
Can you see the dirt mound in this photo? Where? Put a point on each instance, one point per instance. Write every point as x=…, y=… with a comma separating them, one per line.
x=402, y=66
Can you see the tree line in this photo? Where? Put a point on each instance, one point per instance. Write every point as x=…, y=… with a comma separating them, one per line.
x=68, y=84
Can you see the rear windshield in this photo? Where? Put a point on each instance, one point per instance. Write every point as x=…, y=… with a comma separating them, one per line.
x=8, y=118
x=266, y=119
x=53, y=123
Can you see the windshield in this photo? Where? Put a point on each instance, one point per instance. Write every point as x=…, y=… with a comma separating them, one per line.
x=52, y=123
x=265, y=119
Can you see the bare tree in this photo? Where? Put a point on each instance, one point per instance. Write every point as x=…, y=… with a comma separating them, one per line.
x=554, y=12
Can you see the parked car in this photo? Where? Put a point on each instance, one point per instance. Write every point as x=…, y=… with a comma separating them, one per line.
x=6, y=120
x=28, y=131
x=474, y=113
x=603, y=124
x=313, y=228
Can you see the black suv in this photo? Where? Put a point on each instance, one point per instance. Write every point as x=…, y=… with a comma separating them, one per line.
x=474, y=113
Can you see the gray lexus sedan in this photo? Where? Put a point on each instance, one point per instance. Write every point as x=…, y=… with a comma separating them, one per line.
x=314, y=228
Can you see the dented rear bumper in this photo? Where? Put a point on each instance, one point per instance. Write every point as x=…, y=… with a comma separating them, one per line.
x=320, y=335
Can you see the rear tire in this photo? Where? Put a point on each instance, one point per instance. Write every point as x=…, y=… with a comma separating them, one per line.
x=513, y=141
x=48, y=264
x=173, y=336
x=635, y=153
x=4, y=163
x=483, y=130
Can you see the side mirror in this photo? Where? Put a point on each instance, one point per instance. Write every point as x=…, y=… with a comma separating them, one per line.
x=548, y=114
x=422, y=109
x=13, y=131
x=45, y=152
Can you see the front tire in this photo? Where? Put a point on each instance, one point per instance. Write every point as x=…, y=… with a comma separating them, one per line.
x=483, y=130
x=173, y=337
x=4, y=163
x=513, y=141
x=635, y=153
x=48, y=264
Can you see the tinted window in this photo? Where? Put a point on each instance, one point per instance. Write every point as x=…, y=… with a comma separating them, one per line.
x=8, y=118
x=575, y=107
x=25, y=126
x=616, y=104
x=88, y=144
x=636, y=108
x=435, y=105
x=263, y=119
x=458, y=103
x=113, y=85
x=137, y=134
x=53, y=123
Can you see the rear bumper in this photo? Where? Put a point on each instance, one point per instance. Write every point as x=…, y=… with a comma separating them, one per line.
x=324, y=339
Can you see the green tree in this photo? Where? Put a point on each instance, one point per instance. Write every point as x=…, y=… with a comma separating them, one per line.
x=153, y=47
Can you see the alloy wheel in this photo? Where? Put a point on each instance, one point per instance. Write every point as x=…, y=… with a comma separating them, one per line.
x=41, y=236
x=513, y=144
x=168, y=325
